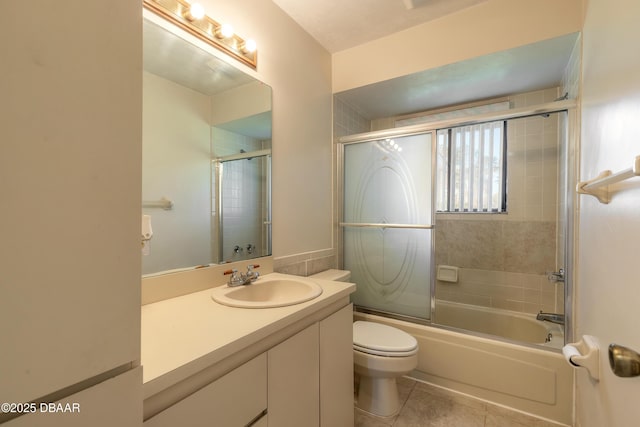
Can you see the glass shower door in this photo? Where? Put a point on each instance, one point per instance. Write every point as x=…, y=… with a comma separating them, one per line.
x=387, y=223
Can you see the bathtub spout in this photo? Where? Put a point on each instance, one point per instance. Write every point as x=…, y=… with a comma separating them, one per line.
x=551, y=317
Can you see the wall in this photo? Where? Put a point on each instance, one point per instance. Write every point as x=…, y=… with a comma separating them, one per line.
x=489, y=27
x=607, y=283
x=176, y=164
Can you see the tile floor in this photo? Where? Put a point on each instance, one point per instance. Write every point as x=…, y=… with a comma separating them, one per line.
x=428, y=406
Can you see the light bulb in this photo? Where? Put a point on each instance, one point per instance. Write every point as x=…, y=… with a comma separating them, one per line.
x=249, y=46
x=224, y=31
x=196, y=11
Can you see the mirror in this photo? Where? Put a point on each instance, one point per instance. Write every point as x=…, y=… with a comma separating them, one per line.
x=206, y=154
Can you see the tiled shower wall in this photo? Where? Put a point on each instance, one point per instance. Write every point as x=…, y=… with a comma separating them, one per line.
x=504, y=257
x=347, y=120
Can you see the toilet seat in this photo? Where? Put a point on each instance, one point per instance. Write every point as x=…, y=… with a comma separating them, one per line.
x=382, y=340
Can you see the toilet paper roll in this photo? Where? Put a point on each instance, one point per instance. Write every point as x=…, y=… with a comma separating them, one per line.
x=568, y=352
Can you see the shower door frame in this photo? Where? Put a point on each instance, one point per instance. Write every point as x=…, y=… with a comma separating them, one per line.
x=568, y=106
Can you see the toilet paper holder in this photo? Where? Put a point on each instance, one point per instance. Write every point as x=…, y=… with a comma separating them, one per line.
x=585, y=353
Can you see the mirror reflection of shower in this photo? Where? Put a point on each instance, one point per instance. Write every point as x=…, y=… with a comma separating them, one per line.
x=241, y=211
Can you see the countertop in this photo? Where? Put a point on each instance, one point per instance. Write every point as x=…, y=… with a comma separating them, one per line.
x=184, y=335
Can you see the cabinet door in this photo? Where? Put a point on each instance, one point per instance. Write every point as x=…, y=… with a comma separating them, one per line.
x=294, y=381
x=336, y=369
x=114, y=402
x=233, y=400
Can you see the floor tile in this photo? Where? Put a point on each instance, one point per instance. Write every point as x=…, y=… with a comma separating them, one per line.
x=426, y=408
x=364, y=420
x=425, y=405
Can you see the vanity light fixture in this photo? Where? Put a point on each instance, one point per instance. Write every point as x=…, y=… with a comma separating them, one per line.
x=192, y=18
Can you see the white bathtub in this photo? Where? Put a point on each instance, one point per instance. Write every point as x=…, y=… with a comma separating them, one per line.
x=511, y=325
x=534, y=380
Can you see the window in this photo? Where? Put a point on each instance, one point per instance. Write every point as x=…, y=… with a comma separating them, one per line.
x=471, y=168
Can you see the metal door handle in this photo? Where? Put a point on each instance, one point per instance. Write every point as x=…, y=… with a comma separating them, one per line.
x=624, y=362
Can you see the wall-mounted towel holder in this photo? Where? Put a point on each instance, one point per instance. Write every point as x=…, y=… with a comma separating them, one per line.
x=586, y=354
x=163, y=203
x=599, y=186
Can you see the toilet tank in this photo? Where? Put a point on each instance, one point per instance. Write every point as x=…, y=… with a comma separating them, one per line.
x=333, y=274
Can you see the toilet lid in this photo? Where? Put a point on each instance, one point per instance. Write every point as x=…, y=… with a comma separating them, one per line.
x=384, y=340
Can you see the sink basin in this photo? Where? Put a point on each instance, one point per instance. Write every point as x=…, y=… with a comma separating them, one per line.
x=268, y=292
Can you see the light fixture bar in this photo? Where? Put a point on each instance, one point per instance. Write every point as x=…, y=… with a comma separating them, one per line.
x=179, y=12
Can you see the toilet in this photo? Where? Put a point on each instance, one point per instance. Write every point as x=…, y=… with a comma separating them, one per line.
x=381, y=354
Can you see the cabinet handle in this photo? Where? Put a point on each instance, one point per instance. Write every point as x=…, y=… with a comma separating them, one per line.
x=257, y=418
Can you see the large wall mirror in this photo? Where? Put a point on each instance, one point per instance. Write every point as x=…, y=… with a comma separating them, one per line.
x=206, y=154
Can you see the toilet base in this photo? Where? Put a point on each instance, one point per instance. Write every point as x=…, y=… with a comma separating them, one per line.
x=378, y=396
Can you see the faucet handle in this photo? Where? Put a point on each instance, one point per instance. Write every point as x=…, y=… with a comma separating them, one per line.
x=556, y=276
x=252, y=275
x=235, y=279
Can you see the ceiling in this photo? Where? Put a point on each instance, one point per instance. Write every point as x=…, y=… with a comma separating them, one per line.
x=531, y=67
x=342, y=24
x=527, y=68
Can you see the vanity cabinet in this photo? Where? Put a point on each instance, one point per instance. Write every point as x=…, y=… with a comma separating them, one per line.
x=238, y=398
x=307, y=380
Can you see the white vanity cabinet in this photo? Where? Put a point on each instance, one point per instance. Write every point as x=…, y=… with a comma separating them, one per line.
x=236, y=399
x=299, y=370
x=310, y=375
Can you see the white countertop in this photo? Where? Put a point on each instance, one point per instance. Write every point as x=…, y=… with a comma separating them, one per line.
x=184, y=335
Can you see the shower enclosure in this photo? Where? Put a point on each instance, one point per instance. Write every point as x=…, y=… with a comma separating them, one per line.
x=502, y=230
x=241, y=210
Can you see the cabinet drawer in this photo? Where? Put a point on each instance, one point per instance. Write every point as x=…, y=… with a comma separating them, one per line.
x=233, y=400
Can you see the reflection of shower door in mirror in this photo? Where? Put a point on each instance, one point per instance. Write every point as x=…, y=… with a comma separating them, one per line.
x=243, y=204
x=387, y=223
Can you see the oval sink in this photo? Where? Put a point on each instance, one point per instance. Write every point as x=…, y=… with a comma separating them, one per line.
x=268, y=293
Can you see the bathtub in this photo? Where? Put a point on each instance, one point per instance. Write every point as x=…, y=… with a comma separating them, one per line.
x=507, y=324
x=531, y=379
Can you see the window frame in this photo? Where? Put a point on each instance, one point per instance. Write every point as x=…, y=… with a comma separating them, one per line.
x=503, y=196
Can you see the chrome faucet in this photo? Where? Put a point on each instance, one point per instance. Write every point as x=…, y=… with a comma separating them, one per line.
x=242, y=279
x=551, y=317
x=556, y=276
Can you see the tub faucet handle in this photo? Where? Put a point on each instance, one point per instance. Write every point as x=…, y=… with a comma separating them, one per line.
x=556, y=276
